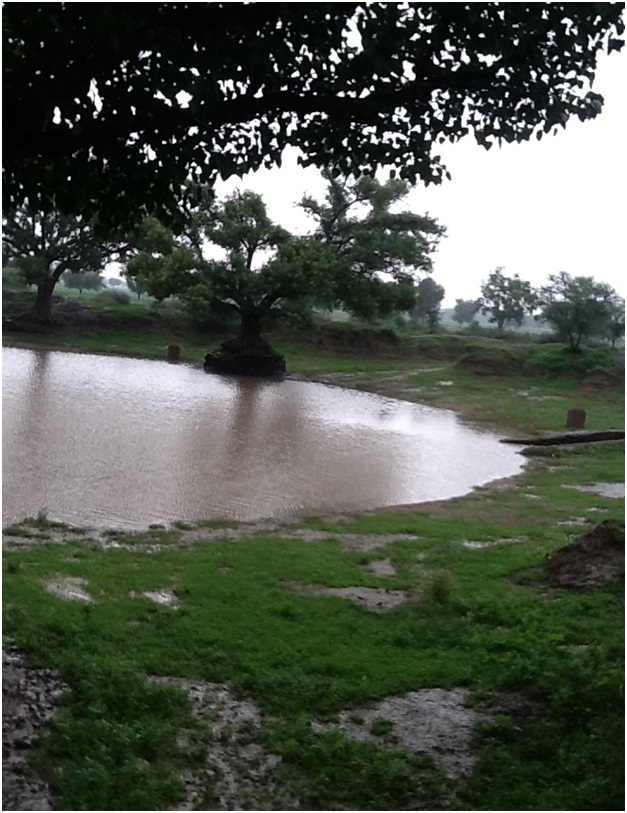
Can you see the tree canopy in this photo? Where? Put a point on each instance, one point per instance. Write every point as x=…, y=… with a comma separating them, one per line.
x=430, y=296
x=263, y=267
x=506, y=299
x=374, y=243
x=360, y=255
x=109, y=107
x=580, y=307
x=464, y=310
x=83, y=281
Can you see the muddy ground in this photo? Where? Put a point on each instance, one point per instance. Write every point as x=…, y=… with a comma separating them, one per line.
x=29, y=698
x=433, y=721
x=238, y=772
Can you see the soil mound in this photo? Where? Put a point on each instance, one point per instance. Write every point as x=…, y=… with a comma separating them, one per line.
x=490, y=362
x=73, y=311
x=65, y=313
x=590, y=560
x=601, y=381
x=359, y=342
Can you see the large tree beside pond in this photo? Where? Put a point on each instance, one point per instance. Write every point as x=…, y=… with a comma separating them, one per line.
x=577, y=307
x=112, y=106
x=262, y=269
x=46, y=244
x=506, y=299
x=360, y=256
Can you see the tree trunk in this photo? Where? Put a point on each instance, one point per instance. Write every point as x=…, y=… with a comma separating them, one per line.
x=42, y=307
x=574, y=341
x=569, y=437
x=250, y=330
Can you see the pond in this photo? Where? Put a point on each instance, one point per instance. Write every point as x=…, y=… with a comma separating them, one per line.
x=120, y=442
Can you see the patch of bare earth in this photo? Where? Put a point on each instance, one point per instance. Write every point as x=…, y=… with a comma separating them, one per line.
x=376, y=599
x=238, y=773
x=590, y=560
x=431, y=721
x=381, y=567
x=28, y=702
x=166, y=598
x=476, y=544
x=349, y=542
x=70, y=588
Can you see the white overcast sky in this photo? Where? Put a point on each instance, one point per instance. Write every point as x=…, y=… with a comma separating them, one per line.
x=535, y=208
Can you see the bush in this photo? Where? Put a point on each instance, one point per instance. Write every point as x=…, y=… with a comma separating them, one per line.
x=558, y=359
x=12, y=280
x=113, y=297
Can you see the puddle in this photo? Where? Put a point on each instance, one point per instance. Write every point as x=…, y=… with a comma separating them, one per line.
x=163, y=597
x=573, y=521
x=381, y=567
x=349, y=542
x=431, y=721
x=376, y=599
x=69, y=588
x=612, y=490
x=545, y=398
x=475, y=544
x=527, y=394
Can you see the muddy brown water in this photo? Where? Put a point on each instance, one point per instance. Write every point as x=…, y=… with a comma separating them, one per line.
x=123, y=442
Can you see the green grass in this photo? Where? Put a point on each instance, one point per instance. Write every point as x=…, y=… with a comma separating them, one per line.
x=531, y=403
x=328, y=772
x=149, y=345
x=116, y=739
x=479, y=618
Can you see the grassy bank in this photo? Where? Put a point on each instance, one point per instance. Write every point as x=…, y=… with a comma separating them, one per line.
x=540, y=666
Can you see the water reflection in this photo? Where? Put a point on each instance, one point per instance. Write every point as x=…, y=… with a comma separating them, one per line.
x=126, y=442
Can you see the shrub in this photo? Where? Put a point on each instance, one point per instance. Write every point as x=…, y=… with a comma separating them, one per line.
x=13, y=280
x=558, y=359
x=113, y=297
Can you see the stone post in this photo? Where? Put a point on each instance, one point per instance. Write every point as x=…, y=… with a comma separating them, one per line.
x=576, y=419
x=174, y=352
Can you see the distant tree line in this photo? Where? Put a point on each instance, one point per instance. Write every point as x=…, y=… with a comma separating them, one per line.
x=577, y=308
